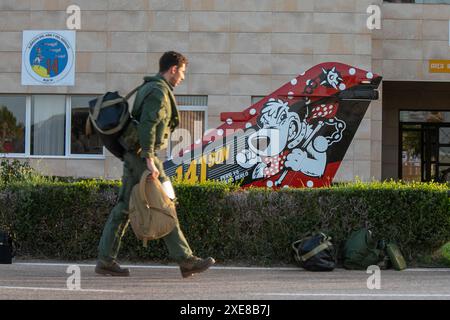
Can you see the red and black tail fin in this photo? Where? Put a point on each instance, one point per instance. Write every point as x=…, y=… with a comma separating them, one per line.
x=296, y=136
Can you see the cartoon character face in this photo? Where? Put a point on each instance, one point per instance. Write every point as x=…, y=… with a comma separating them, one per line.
x=284, y=142
x=280, y=128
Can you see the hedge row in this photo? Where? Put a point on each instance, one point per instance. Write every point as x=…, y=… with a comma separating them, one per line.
x=61, y=220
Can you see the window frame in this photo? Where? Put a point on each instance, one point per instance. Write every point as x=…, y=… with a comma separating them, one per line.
x=67, y=143
x=27, y=128
x=68, y=123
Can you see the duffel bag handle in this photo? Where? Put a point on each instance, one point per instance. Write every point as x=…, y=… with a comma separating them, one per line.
x=129, y=94
x=142, y=182
x=144, y=177
x=100, y=104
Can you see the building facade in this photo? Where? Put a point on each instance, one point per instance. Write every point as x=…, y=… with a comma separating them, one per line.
x=238, y=51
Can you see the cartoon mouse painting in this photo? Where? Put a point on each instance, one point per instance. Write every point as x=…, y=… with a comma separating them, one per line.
x=285, y=142
x=296, y=136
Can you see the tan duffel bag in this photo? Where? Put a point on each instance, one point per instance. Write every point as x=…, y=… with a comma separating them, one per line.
x=152, y=213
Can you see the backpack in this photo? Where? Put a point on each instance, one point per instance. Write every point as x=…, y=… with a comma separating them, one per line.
x=362, y=251
x=152, y=213
x=110, y=115
x=7, y=248
x=315, y=253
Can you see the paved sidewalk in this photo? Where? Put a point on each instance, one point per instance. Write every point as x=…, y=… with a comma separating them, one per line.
x=31, y=280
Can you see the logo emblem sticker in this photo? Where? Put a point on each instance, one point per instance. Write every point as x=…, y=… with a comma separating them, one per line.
x=48, y=58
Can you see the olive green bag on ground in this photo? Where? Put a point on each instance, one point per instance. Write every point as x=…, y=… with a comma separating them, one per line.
x=152, y=213
x=360, y=251
x=395, y=256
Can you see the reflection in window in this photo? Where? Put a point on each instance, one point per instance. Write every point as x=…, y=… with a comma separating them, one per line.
x=80, y=143
x=444, y=155
x=444, y=135
x=444, y=174
x=48, y=121
x=12, y=124
x=411, y=155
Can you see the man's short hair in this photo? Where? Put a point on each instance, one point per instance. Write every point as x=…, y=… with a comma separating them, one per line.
x=171, y=58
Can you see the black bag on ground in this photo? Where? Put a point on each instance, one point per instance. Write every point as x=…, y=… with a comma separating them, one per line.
x=7, y=250
x=110, y=116
x=315, y=253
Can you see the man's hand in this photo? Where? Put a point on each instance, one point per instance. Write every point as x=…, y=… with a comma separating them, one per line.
x=151, y=166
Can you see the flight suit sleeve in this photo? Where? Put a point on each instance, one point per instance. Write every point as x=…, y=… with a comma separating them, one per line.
x=152, y=114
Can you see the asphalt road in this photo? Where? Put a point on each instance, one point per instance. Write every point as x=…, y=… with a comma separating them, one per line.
x=53, y=281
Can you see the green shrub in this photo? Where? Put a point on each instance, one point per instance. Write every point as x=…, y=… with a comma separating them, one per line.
x=13, y=171
x=445, y=253
x=254, y=226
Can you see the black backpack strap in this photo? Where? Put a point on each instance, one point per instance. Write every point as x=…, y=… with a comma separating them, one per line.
x=129, y=94
x=142, y=99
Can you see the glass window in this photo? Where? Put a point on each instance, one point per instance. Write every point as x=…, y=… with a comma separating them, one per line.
x=444, y=155
x=192, y=122
x=80, y=142
x=411, y=155
x=189, y=131
x=191, y=100
x=48, y=113
x=12, y=124
x=424, y=116
x=444, y=174
x=444, y=135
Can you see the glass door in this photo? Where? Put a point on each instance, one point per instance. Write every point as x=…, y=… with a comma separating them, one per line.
x=411, y=150
x=430, y=149
x=444, y=154
x=425, y=152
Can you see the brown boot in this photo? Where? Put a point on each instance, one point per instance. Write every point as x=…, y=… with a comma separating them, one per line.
x=111, y=269
x=192, y=265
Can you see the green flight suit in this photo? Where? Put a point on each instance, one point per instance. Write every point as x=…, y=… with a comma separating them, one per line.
x=156, y=109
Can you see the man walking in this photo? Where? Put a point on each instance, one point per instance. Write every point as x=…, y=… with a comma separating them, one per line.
x=155, y=108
